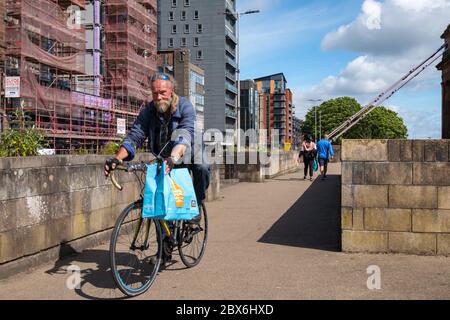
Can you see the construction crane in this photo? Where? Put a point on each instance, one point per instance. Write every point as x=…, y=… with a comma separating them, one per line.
x=386, y=94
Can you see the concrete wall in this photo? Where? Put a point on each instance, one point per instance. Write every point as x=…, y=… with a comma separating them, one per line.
x=48, y=203
x=281, y=163
x=396, y=196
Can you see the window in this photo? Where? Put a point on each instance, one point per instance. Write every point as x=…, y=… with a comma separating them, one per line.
x=199, y=55
x=170, y=15
x=186, y=28
x=199, y=28
x=187, y=3
x=183, y=42
x=174, y=3
x=174, y=28
x=170, y=42
x=196, y=42
x=196, y=15
x=183, y=15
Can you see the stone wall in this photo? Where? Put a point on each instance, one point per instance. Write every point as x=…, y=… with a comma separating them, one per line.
x=279, y=164
x=396, y=196
x=51, y=202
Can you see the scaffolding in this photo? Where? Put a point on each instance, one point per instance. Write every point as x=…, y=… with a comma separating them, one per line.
x=49, y=57
x=131, y=51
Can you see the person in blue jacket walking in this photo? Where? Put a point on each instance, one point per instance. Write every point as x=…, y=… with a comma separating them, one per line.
x=324, y=153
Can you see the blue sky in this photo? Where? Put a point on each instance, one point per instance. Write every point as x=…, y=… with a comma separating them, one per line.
x=352, y=48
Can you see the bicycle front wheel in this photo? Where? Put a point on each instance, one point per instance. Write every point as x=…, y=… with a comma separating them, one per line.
x=135, y=251
x=193, y=238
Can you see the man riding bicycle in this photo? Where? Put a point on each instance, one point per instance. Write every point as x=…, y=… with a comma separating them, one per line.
x=168, y=122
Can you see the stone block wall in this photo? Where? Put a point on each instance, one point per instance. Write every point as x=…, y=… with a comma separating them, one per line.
x=396, y=196
x=52, y=201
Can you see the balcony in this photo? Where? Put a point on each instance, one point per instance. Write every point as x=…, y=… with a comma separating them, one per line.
x=230, y=76
x=230, y=113
x=230, y=102
x=231, y=88
x=230, y=7
x=230, y=50
x=230, y=35
x=230, y=61
x=279, y=97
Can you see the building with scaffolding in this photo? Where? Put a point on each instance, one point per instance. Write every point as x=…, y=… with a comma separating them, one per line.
x=130, y=54
x=83, y=94
x=2, y=61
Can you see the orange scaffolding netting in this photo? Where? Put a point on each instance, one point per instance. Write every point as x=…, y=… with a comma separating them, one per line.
x=49, y=56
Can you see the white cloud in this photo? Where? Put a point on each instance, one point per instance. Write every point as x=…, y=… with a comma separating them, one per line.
x=392, y=37
x=372, y=11
x=418, y=122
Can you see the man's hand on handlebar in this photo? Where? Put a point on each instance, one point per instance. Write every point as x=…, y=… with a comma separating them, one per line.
x=111, y=164
x=170, y=162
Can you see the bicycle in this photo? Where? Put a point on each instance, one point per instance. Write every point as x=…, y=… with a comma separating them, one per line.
x=135, y=263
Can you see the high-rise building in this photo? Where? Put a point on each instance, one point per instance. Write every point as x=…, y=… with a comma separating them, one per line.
x=208, y=30
x=190, y=79
x=444, y=66
x=249, y=105
x=277, y=102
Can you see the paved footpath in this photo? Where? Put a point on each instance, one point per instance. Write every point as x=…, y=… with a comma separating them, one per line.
x=274, y=240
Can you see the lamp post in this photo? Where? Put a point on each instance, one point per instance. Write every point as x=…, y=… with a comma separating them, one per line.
x=315, y=118
x=237, y=15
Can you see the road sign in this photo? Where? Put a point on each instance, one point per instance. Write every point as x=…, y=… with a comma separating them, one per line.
x=12, y=87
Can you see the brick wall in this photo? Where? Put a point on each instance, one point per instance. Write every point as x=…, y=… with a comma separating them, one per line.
x=50, y=202
x=396, y=196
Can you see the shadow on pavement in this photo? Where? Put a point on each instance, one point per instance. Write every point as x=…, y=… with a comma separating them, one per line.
x=314, y=221
x=97, y=282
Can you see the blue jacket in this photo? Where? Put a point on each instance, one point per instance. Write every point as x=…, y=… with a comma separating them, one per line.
x=324, y=149
x=148, y=125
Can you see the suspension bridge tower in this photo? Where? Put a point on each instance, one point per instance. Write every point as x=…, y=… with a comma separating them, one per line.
x=444, y=66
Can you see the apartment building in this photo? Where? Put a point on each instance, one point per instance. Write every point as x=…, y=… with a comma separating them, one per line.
x=208, y=30
x=190, y=79
x=278, y=107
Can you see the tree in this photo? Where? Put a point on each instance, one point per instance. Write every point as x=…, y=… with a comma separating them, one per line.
x=381, y=123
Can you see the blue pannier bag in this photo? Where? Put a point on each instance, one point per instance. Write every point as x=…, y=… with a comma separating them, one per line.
x=169, y=196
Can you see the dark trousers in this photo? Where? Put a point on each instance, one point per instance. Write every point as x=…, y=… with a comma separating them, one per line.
x=308, y=164
x=201, y=174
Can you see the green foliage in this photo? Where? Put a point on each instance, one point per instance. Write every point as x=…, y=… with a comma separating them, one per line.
x=21, y=140
x=381, y=123
x=110, y=148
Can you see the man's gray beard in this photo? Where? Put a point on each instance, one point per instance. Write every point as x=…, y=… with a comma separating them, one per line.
x=162, y=106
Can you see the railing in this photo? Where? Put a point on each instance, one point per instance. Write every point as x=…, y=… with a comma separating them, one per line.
x=230, y=35
x=230, y=102
x=230, y=113
x=230, y=61
x=231, y=88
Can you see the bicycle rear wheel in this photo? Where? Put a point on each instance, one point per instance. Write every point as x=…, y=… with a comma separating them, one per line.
x=135, y=251
x=193, y=238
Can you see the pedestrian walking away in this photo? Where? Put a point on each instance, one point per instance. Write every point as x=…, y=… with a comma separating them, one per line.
x=325, y=153
x=309, y=152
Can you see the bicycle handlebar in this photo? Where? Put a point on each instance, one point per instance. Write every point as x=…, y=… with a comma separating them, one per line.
x=131, y=168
